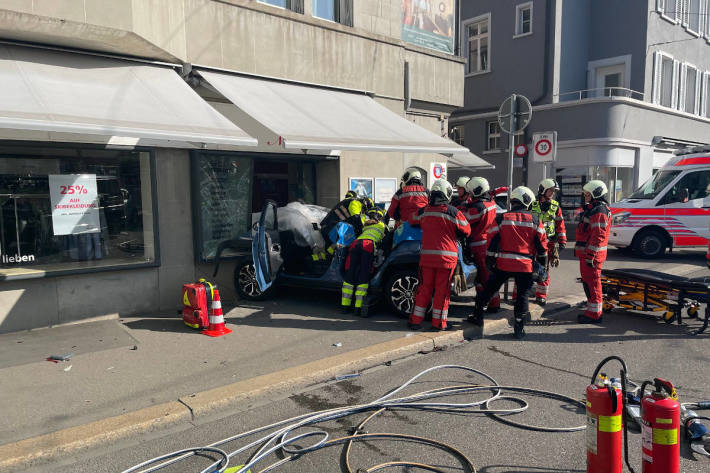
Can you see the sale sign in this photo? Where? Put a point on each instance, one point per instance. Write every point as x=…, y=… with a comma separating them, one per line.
x=75, y=203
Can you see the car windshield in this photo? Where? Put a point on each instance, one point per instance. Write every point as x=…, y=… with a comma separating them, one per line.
x=655, y=185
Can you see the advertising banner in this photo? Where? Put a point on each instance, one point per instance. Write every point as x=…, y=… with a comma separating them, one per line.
x=429, y=23
x=75, y=203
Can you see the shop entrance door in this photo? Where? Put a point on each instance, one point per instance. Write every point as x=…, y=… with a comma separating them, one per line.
x=270, y=183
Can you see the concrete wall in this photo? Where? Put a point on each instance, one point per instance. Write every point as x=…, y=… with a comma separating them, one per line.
x=516, y=64
x=574, y=45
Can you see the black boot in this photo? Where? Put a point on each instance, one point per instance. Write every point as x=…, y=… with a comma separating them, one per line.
x=477, y=317
x=519, y=326
x=540, y=301
x=346, y=309
x=363, y=311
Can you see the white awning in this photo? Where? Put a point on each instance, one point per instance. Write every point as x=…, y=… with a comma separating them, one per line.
x=306, y=117
x=61, y=92
x=470, y=161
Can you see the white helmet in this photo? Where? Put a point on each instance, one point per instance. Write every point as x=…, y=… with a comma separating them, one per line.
x=461, y=182
x=523, y=195
x=409, y=174
x=546, y=184
x=477, y=186
x=443, y=186
x=596, y=187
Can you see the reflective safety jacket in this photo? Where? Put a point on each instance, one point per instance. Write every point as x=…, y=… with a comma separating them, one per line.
x=551, y=215
x=518, y=237
x=407, y=201
x=375, y=232
x=481, y=215
x=343, y=212
x=442, y=225
x=592, y=234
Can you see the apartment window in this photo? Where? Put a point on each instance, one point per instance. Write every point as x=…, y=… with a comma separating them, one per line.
x=665, y=80
x=339, y=11
x=689, y=89
x=456, y=135
x=478, y=45
x=693, y=16
x=495, y=136
x=293, y=5
x=523, y=19
x=706, y=94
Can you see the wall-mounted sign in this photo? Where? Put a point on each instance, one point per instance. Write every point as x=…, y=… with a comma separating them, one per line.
x=544, y=146
x=429, y=23
x=75, y=203
x=361, y=185
x=436, y=171
x=385, y=187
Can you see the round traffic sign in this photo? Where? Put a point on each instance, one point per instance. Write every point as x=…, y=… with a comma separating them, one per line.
x=543, y=147
x=521, y=150
x=514, y=114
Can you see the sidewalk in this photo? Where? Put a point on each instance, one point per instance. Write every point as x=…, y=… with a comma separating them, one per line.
x=137, y=374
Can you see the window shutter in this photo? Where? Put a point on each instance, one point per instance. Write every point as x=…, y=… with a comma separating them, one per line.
x=698, y=87
x=656, y=78
x=675, y=84
x=346, y=12
x=659, y=6
x=686, y=12
x=296, y=6
x=678, y=14
x=682, y=86
x=704, y=95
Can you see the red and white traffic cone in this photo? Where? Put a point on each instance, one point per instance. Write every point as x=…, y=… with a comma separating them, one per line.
x=217, y=327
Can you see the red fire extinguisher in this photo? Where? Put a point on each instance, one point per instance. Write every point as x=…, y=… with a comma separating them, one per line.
x=604, y=434
x=660, y=418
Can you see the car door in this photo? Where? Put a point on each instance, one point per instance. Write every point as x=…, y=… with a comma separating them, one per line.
x=265, y=248
x=687, y=208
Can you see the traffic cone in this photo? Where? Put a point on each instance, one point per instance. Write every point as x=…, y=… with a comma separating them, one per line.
x=217, y=327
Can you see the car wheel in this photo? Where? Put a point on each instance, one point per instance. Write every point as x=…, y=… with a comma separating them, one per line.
x=246, y=285
x=650, y=244
x=401, y=291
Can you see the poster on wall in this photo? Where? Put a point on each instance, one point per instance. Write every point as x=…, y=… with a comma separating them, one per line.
x=362, y=186
x=385, y=187
x=75, y=203
x=429, y=23
x=436, y=171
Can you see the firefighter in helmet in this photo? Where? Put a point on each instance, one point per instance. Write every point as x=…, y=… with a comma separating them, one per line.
x=461, y=197
x=442, y=226
x=517, y=250
x=348, y=210
x=411, y=197
x=548, y=210
x=591, y=240
x=360, y=261
x=481, y=216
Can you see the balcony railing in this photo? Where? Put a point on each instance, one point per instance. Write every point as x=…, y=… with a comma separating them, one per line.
x=599, y=92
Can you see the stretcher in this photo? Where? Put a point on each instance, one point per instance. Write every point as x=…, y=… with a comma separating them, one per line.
x=652, y=291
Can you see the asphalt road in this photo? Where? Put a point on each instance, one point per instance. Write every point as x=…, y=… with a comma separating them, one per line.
x=558, y=355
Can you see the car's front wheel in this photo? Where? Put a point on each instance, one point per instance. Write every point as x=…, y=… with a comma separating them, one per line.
x=650, y=244
x=245, y=283
x=401, y=291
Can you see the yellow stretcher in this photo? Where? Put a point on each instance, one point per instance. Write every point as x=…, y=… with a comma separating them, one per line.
x=652, y=291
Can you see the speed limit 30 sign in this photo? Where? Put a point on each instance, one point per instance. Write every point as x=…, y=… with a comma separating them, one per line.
x=544, y=146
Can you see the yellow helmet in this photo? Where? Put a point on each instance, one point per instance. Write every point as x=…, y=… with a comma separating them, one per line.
x=477, y=186
x=411, y=174
x=461, y=181
x=443, y=186
x=596, y=187
x=523, y=195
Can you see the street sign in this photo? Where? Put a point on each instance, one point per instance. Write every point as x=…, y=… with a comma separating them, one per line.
x=436, y=171
x=514, y=114
x=521, y=150
x=544, y=146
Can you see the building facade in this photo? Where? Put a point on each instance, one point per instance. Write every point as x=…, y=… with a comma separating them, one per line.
x=136, y=135
x=622, y=84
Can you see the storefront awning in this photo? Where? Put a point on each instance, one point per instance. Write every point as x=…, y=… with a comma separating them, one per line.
x=470, y=161
x=62, y=92
x=305, y=117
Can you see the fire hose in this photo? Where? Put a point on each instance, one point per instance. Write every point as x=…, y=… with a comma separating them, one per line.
x=282, y=439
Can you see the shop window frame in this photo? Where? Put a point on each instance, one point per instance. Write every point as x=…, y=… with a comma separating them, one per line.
x=197, y=229
x=153, y=202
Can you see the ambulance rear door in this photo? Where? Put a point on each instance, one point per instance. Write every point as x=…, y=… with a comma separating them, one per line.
x=686, y=206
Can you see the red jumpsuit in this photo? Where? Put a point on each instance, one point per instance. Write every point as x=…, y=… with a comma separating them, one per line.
x=592, y=238
x=481, y=215
x=442, y=225
x=407, y=201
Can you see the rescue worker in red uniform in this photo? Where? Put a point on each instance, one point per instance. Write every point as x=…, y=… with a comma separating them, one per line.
x=360, y=261
x=549, y=211
x=461, y=199
x=592, y=238
x=411, y=197
x=518, y=250
x=481, y=216
x=442, y=226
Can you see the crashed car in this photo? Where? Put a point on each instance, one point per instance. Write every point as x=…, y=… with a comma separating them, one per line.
x=279, y=257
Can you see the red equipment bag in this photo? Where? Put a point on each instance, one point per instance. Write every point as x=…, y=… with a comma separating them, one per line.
x=196, y=300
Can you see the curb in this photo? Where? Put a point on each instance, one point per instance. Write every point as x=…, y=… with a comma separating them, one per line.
x=70, y=440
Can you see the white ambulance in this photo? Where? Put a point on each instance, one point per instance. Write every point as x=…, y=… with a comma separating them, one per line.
x=671, y=210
